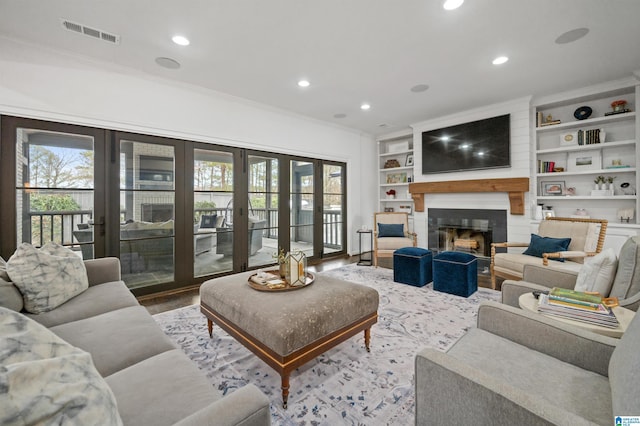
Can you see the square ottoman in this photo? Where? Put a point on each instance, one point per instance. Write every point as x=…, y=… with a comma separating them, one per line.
x=456, y=273
x=412, y=265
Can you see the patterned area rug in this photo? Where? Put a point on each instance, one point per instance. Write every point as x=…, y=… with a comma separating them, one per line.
x=346, y=385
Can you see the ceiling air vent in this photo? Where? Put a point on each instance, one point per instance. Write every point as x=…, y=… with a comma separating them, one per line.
x=90, y=32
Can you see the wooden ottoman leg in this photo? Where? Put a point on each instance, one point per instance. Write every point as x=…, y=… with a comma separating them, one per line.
x=285, y=390
x=210, y=327
x=367, y=339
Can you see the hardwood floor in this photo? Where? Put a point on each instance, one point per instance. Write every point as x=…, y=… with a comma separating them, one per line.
x=190, y=296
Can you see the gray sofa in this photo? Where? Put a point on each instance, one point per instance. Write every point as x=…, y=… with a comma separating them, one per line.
x=153, y=381
x=522, y=368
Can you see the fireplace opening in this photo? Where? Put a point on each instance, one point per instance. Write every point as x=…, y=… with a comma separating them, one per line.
x=467, y=230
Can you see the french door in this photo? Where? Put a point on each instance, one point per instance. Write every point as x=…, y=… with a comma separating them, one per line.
x=175, y=212
x=51, y=191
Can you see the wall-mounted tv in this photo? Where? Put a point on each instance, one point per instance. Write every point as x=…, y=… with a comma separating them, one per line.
x=482, y=144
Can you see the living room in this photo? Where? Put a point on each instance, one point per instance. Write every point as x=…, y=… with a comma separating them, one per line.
x=51, y=74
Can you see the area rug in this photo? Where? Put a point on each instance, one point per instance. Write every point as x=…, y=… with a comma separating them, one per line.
x=347, y=385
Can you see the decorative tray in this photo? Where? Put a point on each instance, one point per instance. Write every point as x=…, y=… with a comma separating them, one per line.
x=283, y=286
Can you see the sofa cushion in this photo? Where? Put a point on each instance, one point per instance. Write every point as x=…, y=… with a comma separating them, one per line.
x=172, y=389
x=624, y=372
x=581, y=392
x=45, y=380
x=598, y=272
x=96, y=300
x=117, y=339
x=10, y=296
x=627, y=281
x=47, y=277
x=540, y=245
x=393, y=243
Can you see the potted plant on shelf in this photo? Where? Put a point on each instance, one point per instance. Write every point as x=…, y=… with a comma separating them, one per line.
x=391, y=194
x=610, y=180
x=599, y=181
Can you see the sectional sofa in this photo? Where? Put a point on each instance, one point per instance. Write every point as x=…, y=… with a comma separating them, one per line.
x=153, y=381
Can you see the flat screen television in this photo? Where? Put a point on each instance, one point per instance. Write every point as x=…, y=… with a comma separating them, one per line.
x=482, y=144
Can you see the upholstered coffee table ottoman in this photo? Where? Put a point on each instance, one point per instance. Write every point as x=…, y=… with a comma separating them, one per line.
x=286, y=329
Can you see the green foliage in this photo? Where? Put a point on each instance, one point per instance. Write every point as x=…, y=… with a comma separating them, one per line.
x=53, y=202
x=204, y=205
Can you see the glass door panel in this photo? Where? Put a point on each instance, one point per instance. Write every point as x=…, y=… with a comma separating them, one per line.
x=147, y=213
x=332, y=210
x=301, y=204
x=55, y=190
x=263, y=210
x=212, y=212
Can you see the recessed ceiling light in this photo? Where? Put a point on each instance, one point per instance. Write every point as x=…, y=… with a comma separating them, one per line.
x=365, y=106
x=572, y=35
x=420, y=88
x=339, y=115
x=500, y=60
x=181, y=40
x=452, y=4
x=303, y=83
x=172, y=64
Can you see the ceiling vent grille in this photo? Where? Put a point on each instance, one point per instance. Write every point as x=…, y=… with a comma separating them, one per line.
x=90, y=32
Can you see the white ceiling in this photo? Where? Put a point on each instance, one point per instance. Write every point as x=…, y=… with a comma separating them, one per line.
x=352, y=51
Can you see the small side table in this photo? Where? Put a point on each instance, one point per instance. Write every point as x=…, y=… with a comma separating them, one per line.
x=364, y=260
x=529, y=302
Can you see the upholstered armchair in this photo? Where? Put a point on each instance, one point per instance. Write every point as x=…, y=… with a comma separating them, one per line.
x=522, y=368
x=625, y=283
x=587, y=239
x=391, y=232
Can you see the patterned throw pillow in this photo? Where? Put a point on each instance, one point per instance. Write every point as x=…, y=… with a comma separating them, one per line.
x=45, y=380
x=47, y=277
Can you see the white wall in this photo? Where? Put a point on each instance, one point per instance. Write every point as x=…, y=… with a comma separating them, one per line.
x=50, y=85
x=518, y=227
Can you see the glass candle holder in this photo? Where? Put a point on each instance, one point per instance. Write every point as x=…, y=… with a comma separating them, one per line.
x=296, y=268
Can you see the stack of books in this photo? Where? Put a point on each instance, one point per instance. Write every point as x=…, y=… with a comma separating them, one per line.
x=578, y=306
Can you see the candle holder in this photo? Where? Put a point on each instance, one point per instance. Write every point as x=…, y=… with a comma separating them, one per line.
x=296, y=264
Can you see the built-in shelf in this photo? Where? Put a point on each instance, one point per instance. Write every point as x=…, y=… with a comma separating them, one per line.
x=586, y=147
x=588, y=122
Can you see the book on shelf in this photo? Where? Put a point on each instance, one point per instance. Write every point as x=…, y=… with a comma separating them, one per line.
x=546, y=166
x=588, y=137
x=550, y=123
x=601, y=316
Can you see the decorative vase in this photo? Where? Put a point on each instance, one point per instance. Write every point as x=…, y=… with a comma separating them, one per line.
x=283, y=270
x=391, y=197
x=597, y=186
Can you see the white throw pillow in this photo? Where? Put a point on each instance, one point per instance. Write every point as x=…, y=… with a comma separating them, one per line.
x=45, y=380
x=47, y=277
x=597, y=273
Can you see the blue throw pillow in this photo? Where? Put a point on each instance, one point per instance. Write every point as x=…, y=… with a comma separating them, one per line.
x=391, y=230
x=539, y=245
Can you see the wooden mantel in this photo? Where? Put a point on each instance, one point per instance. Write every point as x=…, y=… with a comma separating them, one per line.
x=515, y=187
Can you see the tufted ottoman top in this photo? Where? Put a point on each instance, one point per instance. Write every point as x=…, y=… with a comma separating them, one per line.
x=288, y=321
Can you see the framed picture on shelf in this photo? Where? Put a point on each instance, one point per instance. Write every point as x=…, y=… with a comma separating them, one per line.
x=552, y=188
x=569, y=138
x=388, y=209
x=409, y=161
x=396, y=178
x=587, y=160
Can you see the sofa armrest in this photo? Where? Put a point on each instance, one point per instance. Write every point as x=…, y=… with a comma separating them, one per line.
x=450, y=392
x=632, y=302
x=103, y=270
x=512, y=290
x=246, y=406
x=567, y=343
x=549, y=277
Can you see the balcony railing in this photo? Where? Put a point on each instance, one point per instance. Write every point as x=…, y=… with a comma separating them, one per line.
x=58, y=226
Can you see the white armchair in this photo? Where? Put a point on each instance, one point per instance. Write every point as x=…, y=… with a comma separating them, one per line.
x=587, y=239
x=391, y=238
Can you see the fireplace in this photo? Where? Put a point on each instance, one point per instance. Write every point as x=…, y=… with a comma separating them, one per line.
x=467, y=230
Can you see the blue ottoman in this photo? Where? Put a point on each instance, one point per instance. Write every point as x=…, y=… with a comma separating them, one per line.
x=456, y=273
x=412, y=265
